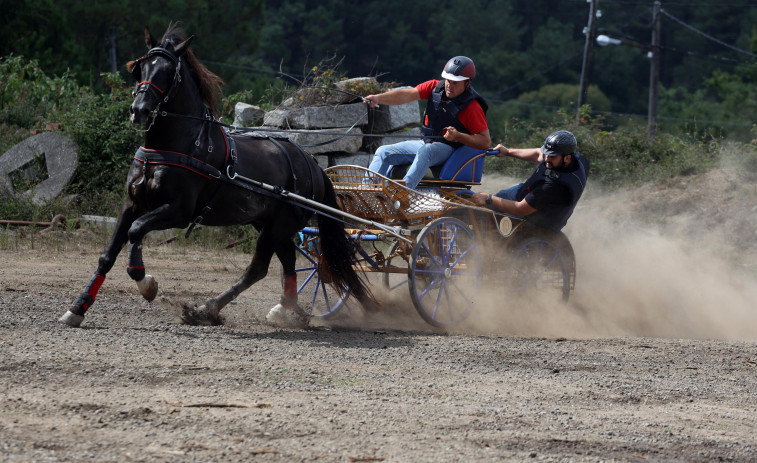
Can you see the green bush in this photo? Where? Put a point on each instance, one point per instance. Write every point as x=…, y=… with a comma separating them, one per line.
x=99, y=124
x=621, y=157
x=27, y=95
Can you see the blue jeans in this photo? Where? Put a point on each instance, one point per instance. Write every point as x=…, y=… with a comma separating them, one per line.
x=509, y=193
x=420, y=155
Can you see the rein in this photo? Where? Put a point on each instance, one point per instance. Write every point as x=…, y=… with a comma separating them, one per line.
x=234, y=128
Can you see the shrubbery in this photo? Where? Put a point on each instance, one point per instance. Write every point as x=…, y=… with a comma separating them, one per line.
x=98, y=123
x=619, y=157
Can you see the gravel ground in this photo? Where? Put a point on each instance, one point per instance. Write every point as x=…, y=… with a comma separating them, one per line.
x=654, y=359
x=136, y=385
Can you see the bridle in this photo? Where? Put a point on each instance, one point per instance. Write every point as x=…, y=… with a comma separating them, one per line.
x=147, y=86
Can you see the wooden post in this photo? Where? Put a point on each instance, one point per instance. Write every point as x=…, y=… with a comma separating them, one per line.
x=654, y=73
x=589, y=32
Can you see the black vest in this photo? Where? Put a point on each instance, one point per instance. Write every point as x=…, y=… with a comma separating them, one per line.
x=443, y=113
x=556, y=216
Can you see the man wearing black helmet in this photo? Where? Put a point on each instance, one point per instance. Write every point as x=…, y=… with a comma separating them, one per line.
x=455, y=115
x=548, y=197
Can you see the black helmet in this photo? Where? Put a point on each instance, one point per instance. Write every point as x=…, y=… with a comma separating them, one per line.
x=560, y=142
x=459, y=68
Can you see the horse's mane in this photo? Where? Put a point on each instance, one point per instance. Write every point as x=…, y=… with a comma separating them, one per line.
x=210, y=84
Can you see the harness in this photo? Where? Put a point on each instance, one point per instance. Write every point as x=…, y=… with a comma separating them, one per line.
x=190, y=161
x=146, y=86
x=442, y=113
x=194, y=165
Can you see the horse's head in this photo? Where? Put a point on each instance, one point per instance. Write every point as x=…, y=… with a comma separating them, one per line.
x=158, y=75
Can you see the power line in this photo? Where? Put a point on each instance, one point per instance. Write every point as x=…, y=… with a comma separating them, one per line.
x=692, y=28
x=689, y=4
x=252, y=69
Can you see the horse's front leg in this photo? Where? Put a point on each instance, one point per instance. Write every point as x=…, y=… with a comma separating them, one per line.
x=171, y=215
x=147, y=285
x=74, y=316
x=133, y=230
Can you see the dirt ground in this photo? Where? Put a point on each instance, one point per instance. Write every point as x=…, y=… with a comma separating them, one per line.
x=654, y=358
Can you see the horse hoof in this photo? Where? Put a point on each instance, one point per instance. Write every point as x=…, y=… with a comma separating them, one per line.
x=288, y=318
x=71, y=319
x=201, y=316
x=148, y=287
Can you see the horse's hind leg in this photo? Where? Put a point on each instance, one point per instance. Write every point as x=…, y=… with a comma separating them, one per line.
x=258, y=268
x=74, y=316
x=268, y=242
x=287, y=254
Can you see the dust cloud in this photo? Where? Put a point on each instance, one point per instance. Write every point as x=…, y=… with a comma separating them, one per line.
x=635, y=279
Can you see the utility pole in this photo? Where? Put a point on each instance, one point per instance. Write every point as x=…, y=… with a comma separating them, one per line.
x=654, y=73
x=589, y=32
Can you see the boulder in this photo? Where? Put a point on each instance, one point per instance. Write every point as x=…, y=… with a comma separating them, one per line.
x=372, y=143
x=386, y=118
x=318, y=117
x=348, y=144
x=333, y=139
x=247, y=115
x=346, y=91
x=360, y=158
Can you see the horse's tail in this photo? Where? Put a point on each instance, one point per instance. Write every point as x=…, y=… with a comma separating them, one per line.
x=338, y=251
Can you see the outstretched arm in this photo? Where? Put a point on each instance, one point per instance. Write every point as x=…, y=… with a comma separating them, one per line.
x=393, y=97
x=525, y=154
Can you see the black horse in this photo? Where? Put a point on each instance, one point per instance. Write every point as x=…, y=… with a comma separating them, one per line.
x=184, y=175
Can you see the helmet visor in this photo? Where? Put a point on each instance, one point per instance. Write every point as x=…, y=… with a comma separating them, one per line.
x=550, y=151
x=453, y=77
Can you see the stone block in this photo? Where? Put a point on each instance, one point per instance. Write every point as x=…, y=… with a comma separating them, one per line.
x=322, y=160
x=49, y=158
x=344, y=91
x=361, y=159
x=386, y=118
x=332, y=140
x=318, y=117
x=247, y=115
x=372, y=143
x=358, y=86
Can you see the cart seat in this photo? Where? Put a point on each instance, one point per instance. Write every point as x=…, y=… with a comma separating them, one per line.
x=465, y=165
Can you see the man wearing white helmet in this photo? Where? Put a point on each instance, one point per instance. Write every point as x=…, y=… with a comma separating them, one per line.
x=455, y=115
x=548, y=197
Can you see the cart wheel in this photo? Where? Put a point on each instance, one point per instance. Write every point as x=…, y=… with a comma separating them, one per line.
x=445, y=272
x=394, y=281
x=543, y=264
x=317, y=298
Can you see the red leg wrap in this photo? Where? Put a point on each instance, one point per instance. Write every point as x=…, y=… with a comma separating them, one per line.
x=87, y=298
x=290, y=287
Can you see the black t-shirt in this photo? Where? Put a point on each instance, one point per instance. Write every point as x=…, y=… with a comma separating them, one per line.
x=547, y=194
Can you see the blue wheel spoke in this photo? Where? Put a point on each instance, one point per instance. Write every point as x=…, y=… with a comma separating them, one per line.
x=430, y=255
